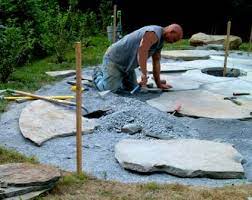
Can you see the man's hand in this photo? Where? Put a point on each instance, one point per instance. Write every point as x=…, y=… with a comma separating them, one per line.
x=164, y=86
x=144, y=80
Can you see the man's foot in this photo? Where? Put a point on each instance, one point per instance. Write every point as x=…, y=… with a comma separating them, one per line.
x=96, y=76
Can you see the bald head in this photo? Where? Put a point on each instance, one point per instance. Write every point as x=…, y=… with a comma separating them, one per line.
x=173, y=33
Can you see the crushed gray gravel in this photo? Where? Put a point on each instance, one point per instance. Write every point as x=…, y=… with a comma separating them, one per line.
x=98, y=148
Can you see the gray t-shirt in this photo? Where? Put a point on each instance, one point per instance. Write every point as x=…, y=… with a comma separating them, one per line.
x=124, y=51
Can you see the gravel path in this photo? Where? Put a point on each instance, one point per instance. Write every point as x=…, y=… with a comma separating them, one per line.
x=98, y=148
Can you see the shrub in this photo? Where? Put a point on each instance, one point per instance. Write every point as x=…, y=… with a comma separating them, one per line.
x=14, y=47
x=55, y=36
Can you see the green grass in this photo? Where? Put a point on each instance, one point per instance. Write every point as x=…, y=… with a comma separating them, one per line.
x=152, y=186
x=12, y=156
x=182, y=44
x=245, y=47
x=73, y=178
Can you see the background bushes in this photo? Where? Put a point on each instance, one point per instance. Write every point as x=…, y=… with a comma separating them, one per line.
x=31, y=29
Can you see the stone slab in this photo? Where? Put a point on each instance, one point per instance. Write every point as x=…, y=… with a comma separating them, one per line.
x=200, y=103
x=227, y=88
x=27, y=196
x=26, y=174
x=197, y=75
x=62, y=74
x=181, y=157
x=171, y=67
x=13, y=192
x=202, y=38
x=40, y=121
x=248, y=77
x=218, y=47
x=177, y=82
x=186, y=55
x=234, y=61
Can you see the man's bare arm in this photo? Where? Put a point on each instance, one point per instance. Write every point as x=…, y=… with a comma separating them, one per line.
x=156, y=67
x=147, y=41
x=156, y=72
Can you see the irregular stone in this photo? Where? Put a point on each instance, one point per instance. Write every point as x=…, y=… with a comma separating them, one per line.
x=217, y=47
x=40, y=121
x=171, y=67
x=197, y=75
x=234, y=61
x=18, y=193
x=186, y=55
x=180, y=157
x=26, y=174
x=27, y=196
x=131, y=128
x=201, y=103
x=177, y=82
x=227, y=88
x=248, y=77
x=199, y=39
x=104, y=93
x=62, y=74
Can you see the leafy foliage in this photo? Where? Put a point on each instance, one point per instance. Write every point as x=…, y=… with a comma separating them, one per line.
x=37, y=28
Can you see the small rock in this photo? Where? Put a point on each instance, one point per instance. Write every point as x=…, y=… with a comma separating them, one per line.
x=104, y=93
x=130, y=120
x=118, y=130
x=98, y=145
x=131, y=128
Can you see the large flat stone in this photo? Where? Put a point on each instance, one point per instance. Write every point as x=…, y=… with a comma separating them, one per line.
x=248, y=77
x=27, y=196
x=202, y=38
x=186, y=55
x=234, y=61
x=178, y=82
x=64, y=73
x=200, y=103
x=25, y=174
x=18, y=193
x=197, y=75
x=227, y=88
x=40, y=121
x=185, y=65
x=182, y=157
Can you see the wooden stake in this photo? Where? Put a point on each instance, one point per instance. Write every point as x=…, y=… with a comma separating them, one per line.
x=114, y=29
x=250, y=40
x=78, y=108
x=226, y=48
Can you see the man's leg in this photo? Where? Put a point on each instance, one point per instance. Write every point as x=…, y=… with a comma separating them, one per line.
x=108, y=76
